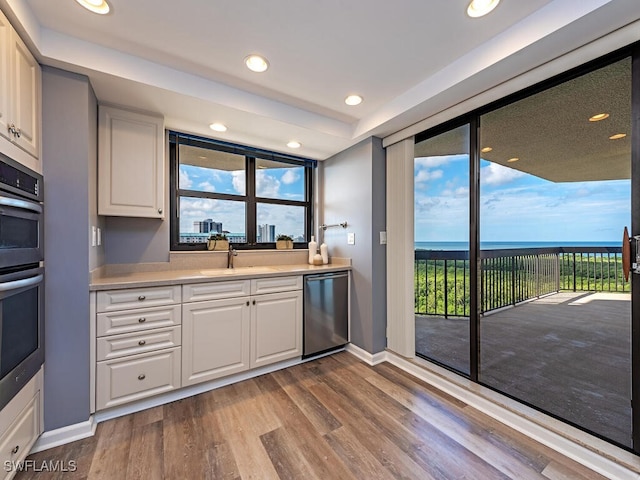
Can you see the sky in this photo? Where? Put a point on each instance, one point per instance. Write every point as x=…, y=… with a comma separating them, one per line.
x=515, y=206
x=283, y=183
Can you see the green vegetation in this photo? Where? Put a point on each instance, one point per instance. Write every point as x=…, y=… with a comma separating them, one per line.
x=441, y=290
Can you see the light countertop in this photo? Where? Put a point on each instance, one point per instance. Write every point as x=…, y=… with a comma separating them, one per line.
x=137, y=279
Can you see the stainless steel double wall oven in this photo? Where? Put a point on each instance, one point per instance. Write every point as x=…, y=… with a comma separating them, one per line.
x=21, y=277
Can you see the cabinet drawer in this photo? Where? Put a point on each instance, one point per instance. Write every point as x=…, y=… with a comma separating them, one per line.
x=216, y=290
x=18, y=440
x=135, y=377
x=117, y=346
x=275, y=284
x=137, y=320
x=112, y=300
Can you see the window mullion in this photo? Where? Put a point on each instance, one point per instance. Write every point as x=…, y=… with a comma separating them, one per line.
x=251, y=201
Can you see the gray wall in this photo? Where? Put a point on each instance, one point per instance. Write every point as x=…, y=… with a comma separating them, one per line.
x=69, y=167
x=352, y=189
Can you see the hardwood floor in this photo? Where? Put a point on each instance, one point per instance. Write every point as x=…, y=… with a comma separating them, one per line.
x=332, y=418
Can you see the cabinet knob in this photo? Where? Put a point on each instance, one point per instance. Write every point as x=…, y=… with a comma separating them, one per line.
x=142, y=320
x=254, y=302
x=15, y=449
x=141, y=298
x=17, y=133
x=142, y=342
x=160, y=211
x=142, y=376
x=247, y=303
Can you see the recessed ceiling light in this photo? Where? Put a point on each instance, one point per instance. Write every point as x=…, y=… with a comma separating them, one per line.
x=218, y=127
x=294, y=144
x=617, y=136
x=353, y=100
x=95, y=6
x=514, y=159
x=598, y=117
x=479, y=8
x=486, y=149
x=256, y=63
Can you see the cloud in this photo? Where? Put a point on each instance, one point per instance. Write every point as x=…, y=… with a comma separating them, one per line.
x=184, y=181
x=291, y=175
x=426, y=175
x=437, y=161
x=495, y=174
x=238, y=181
x=266, y=185
x=207, y=186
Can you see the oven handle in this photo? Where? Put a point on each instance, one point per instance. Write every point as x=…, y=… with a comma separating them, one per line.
x=26, y=282
x=17, y=203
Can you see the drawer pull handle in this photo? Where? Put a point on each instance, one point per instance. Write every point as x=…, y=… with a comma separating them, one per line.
x=141, y=298
x=142, y=377
x=15, y=449
x=142, y=342
x=142, y=320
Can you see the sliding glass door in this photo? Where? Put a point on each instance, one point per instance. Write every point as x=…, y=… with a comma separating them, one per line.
x=555, y=196
x=522, y=279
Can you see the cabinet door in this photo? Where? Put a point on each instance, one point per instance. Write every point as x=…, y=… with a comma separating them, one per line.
x=26, y=96
x=5, y=78
x=276, y=327
x=130, y=164
x=215, y=339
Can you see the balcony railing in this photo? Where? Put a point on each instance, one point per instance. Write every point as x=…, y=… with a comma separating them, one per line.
x=511, y=276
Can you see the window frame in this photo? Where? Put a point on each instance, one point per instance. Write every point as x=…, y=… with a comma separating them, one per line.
x=249, y=198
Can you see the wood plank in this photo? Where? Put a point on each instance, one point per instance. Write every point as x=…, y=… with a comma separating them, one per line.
x=145, y=459
x=322, y=420
x=112, y=449
x=285, y=456
x=321, y=458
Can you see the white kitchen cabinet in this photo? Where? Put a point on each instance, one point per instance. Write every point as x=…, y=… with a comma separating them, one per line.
x=20, y=98
x=215, y=339
x=20, y=426
x=276, y=327
x=230, y=335
x=130, y=163
x=137, y=344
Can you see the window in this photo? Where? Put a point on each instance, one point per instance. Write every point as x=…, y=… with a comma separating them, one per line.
x=250, y=195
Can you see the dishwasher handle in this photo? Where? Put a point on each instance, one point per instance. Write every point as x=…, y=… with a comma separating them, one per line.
x=325, y=276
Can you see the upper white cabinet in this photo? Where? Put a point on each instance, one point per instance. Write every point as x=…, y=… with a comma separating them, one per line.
x=130, y=164
x=20, y=92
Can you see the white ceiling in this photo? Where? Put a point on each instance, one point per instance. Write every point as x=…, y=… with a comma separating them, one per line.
x=409, y=59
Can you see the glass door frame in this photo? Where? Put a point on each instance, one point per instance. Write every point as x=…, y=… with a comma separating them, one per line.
x=473, y=120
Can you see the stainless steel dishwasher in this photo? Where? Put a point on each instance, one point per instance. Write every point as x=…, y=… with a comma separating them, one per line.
x=326, y=312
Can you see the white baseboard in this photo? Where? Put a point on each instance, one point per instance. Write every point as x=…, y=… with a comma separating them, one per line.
x=68, y=434
x=370, y=358
x=610, y=461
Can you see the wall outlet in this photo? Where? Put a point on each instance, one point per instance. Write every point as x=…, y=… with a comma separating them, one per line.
x=383, y=238
x=94, y=236
x=99, y=239
x=351, y=238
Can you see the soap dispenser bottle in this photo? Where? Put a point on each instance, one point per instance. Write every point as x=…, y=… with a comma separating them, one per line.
x=324, y=251
x=313, y=248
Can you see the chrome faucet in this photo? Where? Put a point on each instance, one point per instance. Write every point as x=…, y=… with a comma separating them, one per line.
x=230, y=254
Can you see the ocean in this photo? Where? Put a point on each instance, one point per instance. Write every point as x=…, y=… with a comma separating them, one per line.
x=501, y=245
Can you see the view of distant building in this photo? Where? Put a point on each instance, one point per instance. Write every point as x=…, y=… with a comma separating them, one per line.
x=207, y=226
x=266, y=233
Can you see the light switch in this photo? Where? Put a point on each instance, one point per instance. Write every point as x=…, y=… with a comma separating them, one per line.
x=94, y=236
x=99, y=230
x=383, y=238
x=351, y=238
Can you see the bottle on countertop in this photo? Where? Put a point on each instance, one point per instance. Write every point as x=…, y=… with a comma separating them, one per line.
x=324, y=252
x=313, y=248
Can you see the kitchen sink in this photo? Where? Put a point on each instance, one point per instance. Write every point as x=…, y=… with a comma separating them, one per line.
x=237, y=271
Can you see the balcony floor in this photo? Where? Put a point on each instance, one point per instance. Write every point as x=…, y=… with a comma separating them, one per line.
x=568, y=354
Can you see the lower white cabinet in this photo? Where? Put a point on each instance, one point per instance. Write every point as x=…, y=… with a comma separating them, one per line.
x=135, y=377
x=216, y=339
x=20, y=426
x=276, y=327
x=226, y=336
